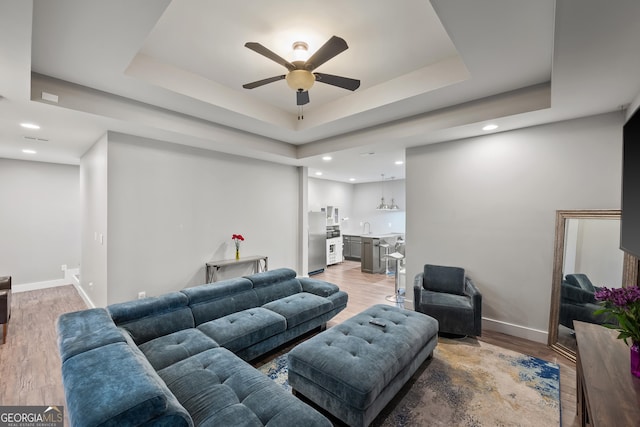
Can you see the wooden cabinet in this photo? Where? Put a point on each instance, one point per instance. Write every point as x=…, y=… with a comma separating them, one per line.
x=371, y=255
x=351, y=248
x=607, y=393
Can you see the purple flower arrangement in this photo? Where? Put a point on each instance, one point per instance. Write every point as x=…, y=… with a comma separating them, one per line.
x=623, y=304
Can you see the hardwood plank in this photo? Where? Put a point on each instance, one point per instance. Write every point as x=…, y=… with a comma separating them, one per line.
x=29, y=360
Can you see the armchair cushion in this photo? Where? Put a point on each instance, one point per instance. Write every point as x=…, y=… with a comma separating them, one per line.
x=440, y=278
x=575, y=294
x=448, y=300
x=581, y=281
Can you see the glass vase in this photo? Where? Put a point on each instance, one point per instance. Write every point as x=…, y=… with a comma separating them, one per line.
x=237, y=253
x=635, y=359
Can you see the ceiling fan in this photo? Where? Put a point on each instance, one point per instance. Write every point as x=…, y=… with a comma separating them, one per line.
x=301, y=76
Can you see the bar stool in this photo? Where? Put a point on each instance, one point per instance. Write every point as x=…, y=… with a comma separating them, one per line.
x=385, y=256
x=397, y=298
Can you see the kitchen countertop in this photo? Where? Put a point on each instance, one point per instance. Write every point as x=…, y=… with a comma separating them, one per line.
x=376, y=236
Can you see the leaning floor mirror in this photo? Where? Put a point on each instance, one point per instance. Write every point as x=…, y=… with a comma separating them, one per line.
x=587, y=255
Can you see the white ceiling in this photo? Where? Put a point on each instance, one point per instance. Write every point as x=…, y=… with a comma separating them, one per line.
x=430, y=72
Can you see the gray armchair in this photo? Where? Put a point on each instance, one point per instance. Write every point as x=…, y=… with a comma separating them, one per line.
x=446, y=294
x=5, y=304
x=577, y=302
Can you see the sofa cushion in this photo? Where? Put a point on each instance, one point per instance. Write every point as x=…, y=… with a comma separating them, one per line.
x=318, y=287
x=440, y=278
x=115, y=385
x=153, y=317
x=215, y=300
x=300, y=307
x=245, y=328
x=268, y=278
x=85, y=330
x=339, y=299
x=275, y=284
x=220, y=389
x=169, y=349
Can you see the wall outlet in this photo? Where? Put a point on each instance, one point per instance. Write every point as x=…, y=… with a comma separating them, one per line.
x=63, y=267
x=142, y=294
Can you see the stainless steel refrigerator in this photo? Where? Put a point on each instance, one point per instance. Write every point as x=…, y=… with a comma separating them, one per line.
x=317, y=242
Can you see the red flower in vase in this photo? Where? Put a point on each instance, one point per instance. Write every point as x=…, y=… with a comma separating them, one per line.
x=237, y=238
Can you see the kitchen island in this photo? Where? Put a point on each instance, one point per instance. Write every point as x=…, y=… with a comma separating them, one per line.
x=367, y=249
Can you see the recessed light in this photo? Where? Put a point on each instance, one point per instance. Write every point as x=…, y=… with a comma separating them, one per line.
x=490, y=127
x=327, y=158
x=352, y=179
x=318, y=173
x=29, y=125
x=27, y=151
x=399, y=162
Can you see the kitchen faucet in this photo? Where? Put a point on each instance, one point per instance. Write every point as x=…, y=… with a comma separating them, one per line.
x=364, y=226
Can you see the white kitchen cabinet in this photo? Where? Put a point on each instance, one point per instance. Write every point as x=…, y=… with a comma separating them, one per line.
x=334, y=250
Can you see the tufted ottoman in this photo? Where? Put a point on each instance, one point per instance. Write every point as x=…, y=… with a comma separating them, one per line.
x=354, y=369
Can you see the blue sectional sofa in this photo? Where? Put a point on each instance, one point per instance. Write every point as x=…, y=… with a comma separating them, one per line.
x=177, y=359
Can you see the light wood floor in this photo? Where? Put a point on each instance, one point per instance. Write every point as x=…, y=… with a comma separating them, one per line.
x=30, y=365
x=29, y=361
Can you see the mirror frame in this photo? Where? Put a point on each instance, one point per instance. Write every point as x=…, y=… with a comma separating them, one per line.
x=629, y=270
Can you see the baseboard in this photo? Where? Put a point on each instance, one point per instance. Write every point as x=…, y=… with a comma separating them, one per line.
x=84, y=295
x=33, y=286
x=515, y=330
x=504, y=327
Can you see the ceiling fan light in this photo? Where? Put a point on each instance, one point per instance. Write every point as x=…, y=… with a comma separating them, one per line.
x=300, y=51
x=300, y=80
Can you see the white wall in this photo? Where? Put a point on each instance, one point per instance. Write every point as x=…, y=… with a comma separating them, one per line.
x=598, y=253
x=488, y=204
x=323, y=193
x=172, y=208
x=357, y=202
x=38, y=221
x=93, y=226
x=367, y=197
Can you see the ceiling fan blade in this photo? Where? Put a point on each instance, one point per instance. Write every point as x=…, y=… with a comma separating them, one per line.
x=258, y=48
x=331, y=48
x=339, y=81
x=258, y=83
x=302, y=97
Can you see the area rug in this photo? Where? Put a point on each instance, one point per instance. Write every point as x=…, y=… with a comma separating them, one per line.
x=468, y=383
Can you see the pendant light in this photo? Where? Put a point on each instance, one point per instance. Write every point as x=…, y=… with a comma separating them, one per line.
x=383, y=205
x=393, y=206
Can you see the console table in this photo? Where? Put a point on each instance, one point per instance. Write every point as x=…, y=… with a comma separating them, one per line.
x=212, y=268
x=607, y=393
